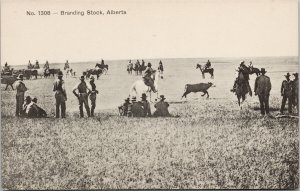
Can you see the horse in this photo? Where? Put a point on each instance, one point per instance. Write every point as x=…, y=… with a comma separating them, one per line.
x=103, y=67
x=205, y=70
x=254, y=70
x=90, y=72
x=141, y=69
x=241, y=89
x=129, y=68
x=53, y=71
x=136, y=68
x=139, y=87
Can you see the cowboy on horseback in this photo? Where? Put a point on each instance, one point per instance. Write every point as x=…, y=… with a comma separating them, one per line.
x=207, y=65
x=147, y=77
x=244, y=70
x=67, y=66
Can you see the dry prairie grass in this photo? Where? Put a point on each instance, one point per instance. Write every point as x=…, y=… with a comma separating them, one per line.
x=213, y=144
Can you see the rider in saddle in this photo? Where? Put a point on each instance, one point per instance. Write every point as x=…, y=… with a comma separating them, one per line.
x=29, y=65
x=46, y=66
x=36, y=66
x=160, y=66
x=245, y=71
x=147, y=77
x=6, y=67
x=207, y=65
x=67, y=65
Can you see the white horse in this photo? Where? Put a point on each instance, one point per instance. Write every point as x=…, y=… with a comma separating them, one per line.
x=139, y=87
x=67, y=72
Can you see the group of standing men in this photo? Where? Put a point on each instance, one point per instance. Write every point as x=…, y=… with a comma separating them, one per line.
x=82, y=91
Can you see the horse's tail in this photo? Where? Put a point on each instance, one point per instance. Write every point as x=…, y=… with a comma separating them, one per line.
x=132, y=90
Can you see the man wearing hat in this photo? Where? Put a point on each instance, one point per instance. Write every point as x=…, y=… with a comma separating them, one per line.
x=25, y=105
x=286, y=93
x=93, y=95
x=135, y=109
x=295, y=85
x=145, y=105
x=123, y=109
x=83, y=93
x=147, y=77
x=262, y=88
x=161, y=108
x=21, y=89
x=60, y=95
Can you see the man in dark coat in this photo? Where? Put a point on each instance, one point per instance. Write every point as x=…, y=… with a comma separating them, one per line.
x=286, y=93
x=146, y=106
x=135, y=109
x=295, y=85
x=262, y=88
x=161, y=108
x=21, y=89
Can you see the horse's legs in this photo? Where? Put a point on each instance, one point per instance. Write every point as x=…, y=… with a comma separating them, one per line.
x=203, y=75
x=6, y=87
x=12, y=87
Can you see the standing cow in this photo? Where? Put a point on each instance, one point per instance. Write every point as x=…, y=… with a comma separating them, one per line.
x=201, y=87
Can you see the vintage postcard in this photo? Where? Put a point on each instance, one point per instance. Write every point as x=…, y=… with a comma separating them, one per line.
x=156, y=94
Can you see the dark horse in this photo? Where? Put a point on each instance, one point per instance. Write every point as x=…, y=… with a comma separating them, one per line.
x=241, y=88
x=90, y=72
x=254, y=70
x=206, y=70
x=103, y=67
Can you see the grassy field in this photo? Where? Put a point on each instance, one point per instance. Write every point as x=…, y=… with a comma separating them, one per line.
x=213, y=144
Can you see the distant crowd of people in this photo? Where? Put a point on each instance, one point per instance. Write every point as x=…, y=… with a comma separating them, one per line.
x=142, y=108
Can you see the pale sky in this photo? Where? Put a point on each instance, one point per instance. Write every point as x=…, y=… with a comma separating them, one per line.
x=150, y=29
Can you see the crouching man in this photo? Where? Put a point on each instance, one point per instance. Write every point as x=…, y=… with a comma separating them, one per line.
x=123, y=109
x=161, y=108
x=34, y=111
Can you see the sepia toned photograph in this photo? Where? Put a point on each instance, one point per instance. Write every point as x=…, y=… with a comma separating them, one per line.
x=156, y=94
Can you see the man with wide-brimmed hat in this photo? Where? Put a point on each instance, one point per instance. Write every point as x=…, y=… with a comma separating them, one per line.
x=93, y=95
x=286, y=93
x=60, y=95
x=262, y=88
x=82, y=95
x=161, y=108
x=135, y=108
x=147, y=77
x=145, y=105
x=21, y=89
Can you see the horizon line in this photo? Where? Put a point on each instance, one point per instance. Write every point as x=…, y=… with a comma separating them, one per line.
x=205, y=57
